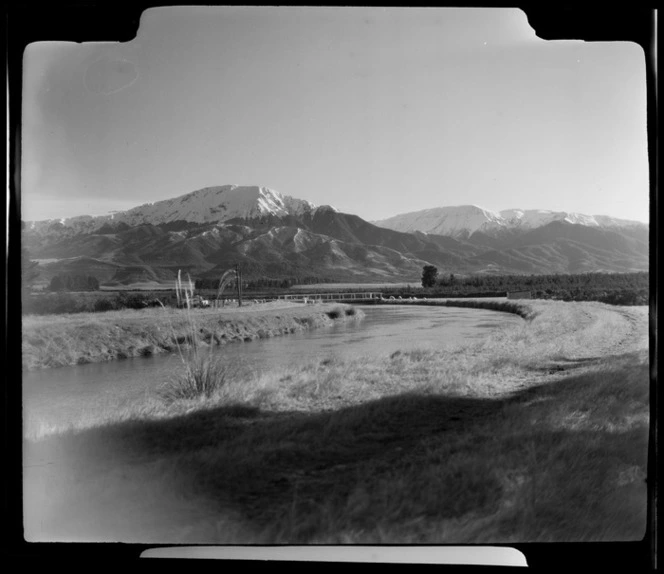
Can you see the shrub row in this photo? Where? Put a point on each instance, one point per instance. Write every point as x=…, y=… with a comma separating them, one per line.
x=58, y=303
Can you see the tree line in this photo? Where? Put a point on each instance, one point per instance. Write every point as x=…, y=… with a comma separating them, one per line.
x=73, y=282
x=614, y=288
x=60, y=302
x=263, y=283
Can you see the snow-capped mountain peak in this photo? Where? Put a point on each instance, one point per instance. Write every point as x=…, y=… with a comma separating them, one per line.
x=207, y=205
x=213, y=204
x=531, y=218
x=464, y=220
x=455, y=221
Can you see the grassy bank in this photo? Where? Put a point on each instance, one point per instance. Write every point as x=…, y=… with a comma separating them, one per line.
x=58, y=340
x=515, y=307
x=537, y=433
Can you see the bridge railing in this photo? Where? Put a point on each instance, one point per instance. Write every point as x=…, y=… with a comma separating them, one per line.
x=331, y=296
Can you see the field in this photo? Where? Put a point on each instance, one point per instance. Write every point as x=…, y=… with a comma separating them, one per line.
x=538, y=433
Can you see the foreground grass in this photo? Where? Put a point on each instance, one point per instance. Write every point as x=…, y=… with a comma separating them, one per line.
x=531, y=435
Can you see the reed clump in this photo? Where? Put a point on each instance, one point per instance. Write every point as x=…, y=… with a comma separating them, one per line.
x=204, y=373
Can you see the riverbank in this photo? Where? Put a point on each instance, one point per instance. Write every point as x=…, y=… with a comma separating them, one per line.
x=502, y=304
x=59, y=340
x=537, y=433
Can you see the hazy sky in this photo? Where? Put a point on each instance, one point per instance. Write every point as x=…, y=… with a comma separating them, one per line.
x=376, y=111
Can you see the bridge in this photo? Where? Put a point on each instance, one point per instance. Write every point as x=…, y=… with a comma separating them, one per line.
x=336, y=297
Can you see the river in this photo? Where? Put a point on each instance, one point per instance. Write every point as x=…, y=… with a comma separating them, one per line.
x=51, y=396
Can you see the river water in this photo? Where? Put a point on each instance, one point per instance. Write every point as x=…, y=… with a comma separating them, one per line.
x=51, y=396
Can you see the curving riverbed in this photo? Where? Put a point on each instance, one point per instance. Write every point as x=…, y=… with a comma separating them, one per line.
x=69, y=393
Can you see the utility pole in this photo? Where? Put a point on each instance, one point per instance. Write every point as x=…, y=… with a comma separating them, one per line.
x=238, y=277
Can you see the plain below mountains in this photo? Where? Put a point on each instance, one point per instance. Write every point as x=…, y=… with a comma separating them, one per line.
x=272, y=235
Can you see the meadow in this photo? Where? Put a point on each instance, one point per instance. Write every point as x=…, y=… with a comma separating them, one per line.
x=537, y=433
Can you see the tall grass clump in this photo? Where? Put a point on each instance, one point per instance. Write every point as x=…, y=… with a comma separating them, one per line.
x=203, y=373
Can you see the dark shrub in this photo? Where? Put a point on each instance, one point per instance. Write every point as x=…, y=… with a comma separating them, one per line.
x=429, y=276
x=334, y=314
x=104, y=305
x=132, y=301
x=74, y=282
x=63, y=303
x=57, y=284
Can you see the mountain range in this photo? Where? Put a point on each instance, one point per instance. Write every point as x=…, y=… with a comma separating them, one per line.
x=464, y=220
x=273, y=235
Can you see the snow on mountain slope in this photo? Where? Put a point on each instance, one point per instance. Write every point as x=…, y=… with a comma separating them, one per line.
x=453, y=221
x=606, y=221
x=222, y=203
x=208, y=205
x=464, y=220
x=531, y=218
